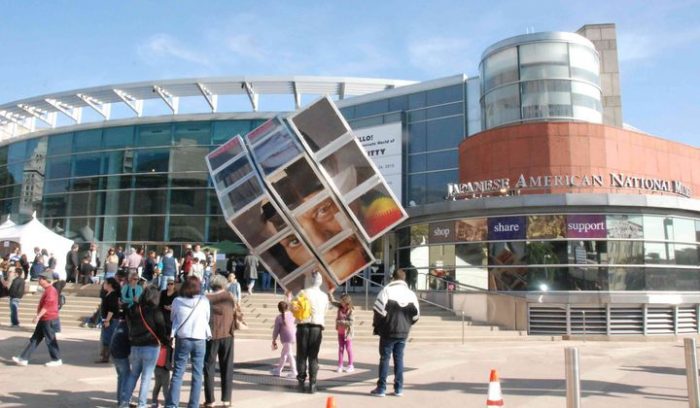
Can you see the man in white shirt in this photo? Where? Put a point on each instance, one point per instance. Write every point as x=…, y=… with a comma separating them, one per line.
x=309, y=331
x=197, y=253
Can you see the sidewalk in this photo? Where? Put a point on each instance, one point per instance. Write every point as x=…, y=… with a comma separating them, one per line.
x=639, y=374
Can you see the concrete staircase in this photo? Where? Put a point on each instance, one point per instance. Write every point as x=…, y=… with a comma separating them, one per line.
x=260, y=309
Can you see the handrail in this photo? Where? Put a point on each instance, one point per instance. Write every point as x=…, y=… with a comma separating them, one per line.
x=382, y=286
x=469, y=287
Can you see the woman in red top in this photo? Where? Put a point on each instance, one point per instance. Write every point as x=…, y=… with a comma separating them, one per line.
x=46, y=322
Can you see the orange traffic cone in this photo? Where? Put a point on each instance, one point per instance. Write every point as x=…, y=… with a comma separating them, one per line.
x=330, y=402
x=495, y=398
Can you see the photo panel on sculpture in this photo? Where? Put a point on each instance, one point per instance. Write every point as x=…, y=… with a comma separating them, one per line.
x=259, y=223
x=297, y=183
x=225, y=152
x=241, y=195
x=286, y=256
x=319, y=124
x=348, y=167
x=347, y=257
x=377, y=211
x=232, y=173
x=323, y=220
x=277, y=149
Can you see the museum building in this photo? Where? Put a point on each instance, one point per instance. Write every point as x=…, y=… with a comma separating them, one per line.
x=523, y=185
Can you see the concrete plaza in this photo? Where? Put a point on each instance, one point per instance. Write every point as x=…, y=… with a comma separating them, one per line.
x=639, y=374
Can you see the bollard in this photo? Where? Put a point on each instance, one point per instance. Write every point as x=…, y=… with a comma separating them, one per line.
x=573, y=378
x=691, y=368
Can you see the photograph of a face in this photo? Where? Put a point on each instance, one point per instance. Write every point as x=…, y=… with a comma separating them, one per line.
x=259, y=223
x=286, y=256
x=474, y=229
x=346, y=258
x=242, y=195
x=226, y=152
x=235, y=171
x=348, y=167
x=304, y=279
x=323, y=221
x=319, y=124
x=277, y=149
x=377, y=211
x=297, y=183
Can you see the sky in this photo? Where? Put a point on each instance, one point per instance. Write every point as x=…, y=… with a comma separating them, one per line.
x=51, y=46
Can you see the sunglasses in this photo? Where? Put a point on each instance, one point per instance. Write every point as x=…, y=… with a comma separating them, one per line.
x=171, y=284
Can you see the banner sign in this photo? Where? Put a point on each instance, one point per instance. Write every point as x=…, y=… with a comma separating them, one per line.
x=585, y=226
x=506, y=228
x=383, y=146
x=441, y=232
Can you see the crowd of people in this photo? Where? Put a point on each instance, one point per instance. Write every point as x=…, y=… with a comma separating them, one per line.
x=150, y=328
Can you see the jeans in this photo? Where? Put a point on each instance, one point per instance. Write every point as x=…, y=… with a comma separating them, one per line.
x=45, y=329
x=143, y=361
x=184, y=350
x=309, y=338
x=110, y=275
x=164, y=281
x=387, y=348
x=223, y=349
x=265, y=280
x=14, y=311
x=108, y=332
x=123, y=368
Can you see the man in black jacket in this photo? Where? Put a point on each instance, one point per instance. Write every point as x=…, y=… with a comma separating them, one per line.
x=395, y=311
x=16, y=291
x=72, y=263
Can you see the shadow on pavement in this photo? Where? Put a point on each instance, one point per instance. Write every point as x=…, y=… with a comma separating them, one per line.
x=655, y=370
x=58, y=399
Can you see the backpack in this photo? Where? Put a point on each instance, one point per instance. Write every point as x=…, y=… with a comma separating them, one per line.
x=301, y=307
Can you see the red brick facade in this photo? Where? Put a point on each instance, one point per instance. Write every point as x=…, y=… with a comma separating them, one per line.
x=577, y=149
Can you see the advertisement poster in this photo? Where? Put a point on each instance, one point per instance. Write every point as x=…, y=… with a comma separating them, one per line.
x=473, y=229
x=586, y=226
x=383, y=146
x=625, y=226
x=546, y=226
x=348, y=167
x=441, y=232
x=506, y=228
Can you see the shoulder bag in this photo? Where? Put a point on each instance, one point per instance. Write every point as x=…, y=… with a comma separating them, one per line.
x=164, y=348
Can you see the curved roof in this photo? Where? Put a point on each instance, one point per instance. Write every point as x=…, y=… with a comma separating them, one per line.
x=22, y=116
x=548, y=36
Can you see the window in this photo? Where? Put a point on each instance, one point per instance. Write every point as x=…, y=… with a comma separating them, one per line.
x=225, y=130
x=437, y=185
x=544, y=60
x=442, y=160
x=417, y=163
x=150, y=202
x=87, y=140
x=154, y=135
x=502, y=106
x=445, y=133
x=444, y=95
x=150, y=161
x=87, y=164
x=417, y=137
x=190, y=134
x=118, y=137
x=500, y=68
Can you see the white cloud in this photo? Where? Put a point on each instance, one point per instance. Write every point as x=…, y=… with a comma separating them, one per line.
x=165, y=46
x=440, y=54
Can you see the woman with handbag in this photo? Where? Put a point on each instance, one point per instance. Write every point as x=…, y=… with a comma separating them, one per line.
x=223, y=315
x=147, y=334
x=190, y=321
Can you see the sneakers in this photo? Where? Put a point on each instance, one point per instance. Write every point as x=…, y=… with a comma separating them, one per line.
x=20, y=361
x=276, y=372
x=292, y=375
x=378, y=393
x=313, y=388
x=398, y=393
x=54, y=363
x=300, y=386
x=350, y=369
x=339, y=370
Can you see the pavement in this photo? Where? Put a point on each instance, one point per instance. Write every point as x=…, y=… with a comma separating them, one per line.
x=625, y=374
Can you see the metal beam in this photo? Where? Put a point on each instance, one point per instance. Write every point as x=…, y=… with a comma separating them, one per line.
x=100, y=107
x=70, y=111
x=173, y=102
x=136, y=105
x=297, y=95
x=14, y=118
x=47, y=117
x=212, y=99
x=252, y=95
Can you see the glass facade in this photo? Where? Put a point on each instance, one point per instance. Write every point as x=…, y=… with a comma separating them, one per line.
x=547, y=79
x=569, y=252
x=434, y=122
x=146, y=184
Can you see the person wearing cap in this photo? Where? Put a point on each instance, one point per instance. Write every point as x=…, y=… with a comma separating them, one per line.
x=309, y=331
x=46, y=320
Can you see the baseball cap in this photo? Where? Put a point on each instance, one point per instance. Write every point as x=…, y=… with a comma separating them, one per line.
x=170, y=279
x=48, y=275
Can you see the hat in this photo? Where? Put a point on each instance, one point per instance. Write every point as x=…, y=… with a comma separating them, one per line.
x=48, y=275
x=170, y=279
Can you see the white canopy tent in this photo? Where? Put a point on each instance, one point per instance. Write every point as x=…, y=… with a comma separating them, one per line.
x=35, y=234
x=8, y=223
